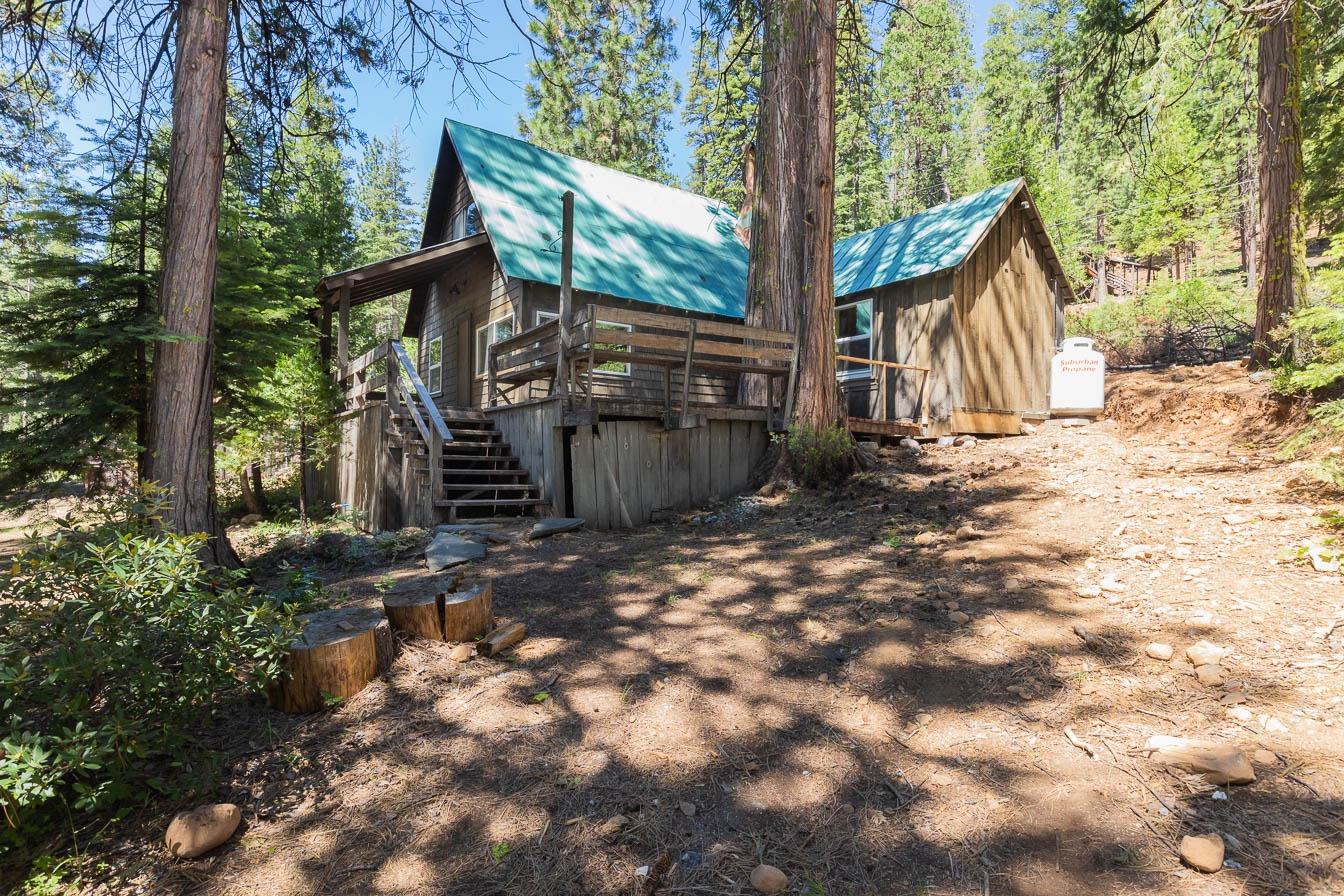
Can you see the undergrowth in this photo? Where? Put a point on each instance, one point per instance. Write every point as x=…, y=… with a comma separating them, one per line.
x=1194, y=321
x=119, y=645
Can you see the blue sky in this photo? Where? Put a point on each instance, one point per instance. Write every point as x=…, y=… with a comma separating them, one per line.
x=378, y=109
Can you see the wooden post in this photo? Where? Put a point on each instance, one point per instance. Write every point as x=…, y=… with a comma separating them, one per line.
x=686, y=376
x=393, y=379
x=566, y=290
x=491, y=357
x=592, y=350
x=343, y=328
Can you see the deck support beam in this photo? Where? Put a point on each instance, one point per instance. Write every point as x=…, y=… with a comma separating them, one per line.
x=343, y=327
x=566, y=291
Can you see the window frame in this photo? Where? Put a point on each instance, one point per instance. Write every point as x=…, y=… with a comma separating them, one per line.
x=432, y=368
x=859, y=372
x=481, y=363
x=458, y=225
x=544, y=316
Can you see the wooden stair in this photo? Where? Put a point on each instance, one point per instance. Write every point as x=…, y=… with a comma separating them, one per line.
x=482, y=477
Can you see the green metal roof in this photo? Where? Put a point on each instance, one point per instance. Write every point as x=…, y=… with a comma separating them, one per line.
x=932, y=240
x=633, y=238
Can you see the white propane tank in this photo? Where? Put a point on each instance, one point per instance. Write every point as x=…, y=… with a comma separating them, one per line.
x=1077, y=379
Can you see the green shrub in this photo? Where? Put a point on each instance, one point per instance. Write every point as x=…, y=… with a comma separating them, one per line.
x=820, y=457
x=1173, y=322
x=118, y=642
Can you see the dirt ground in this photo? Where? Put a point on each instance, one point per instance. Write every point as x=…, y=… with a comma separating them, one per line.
x=790, y=680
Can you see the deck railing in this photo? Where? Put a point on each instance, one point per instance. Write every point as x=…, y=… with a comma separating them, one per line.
x=880, y=371
x=386, y=368
x=601, y=335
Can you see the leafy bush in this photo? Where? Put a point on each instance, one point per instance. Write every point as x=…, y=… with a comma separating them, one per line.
x=1175, y=322
x=819, y=457
x=118, y=642
x=1317, y=368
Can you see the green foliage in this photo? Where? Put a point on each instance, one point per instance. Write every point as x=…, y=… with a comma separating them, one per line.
x=119, y=641
x=387, y=224
x=860, y=123
x=1188, y=322
x=601, y=88
x=925, y=79
x=721, y=105
x=819, y=458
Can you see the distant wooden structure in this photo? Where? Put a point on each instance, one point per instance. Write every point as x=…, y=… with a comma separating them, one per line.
x=580, y=344
x=964, y=304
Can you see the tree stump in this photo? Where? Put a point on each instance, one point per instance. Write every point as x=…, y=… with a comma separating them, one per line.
x=337, y=654
x=418, y=615
x=458, y=615
x=466, y=613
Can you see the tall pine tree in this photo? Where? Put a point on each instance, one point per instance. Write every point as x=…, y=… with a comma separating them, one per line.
x=925, y=73
x=387, y=223
x=601, y=87
x=721, y=104
x=860, y=122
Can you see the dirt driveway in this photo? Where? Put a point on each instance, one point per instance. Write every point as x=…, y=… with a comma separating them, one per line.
x=813, y=683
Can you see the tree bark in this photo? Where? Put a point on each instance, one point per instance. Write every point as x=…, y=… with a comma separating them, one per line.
x=790, y=280
x=181, y=438
x=249, y=481
x=1101, y=292
x=1282, y=244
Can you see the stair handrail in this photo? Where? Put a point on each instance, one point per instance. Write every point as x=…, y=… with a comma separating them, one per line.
x=421, y=392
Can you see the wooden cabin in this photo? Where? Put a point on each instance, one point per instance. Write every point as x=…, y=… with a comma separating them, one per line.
x=946, y=321
x=580, y=345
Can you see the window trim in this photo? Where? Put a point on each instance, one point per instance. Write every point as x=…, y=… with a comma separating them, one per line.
x=430, y=367
x=481, y=364
x=863, y=371
x=544, y=316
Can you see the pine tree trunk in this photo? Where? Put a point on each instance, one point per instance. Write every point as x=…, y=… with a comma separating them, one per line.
x=791, y=279
x=1101, y=293
x=249, y=482
x=181, y=438
x=1279, y=125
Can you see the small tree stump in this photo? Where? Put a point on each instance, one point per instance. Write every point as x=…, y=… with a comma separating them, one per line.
x=418, y=615
x=451, y=616
x=466, y=613
x=338, y=653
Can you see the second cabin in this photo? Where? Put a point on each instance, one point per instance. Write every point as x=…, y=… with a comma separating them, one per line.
x=580, y=346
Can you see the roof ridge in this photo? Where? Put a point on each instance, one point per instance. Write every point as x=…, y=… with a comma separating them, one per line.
x=583, y=161
x=931, y=209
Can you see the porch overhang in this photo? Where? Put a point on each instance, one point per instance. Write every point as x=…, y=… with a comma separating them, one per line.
x=397, y=274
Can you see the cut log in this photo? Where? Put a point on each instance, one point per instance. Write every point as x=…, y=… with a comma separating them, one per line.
x=337, y=654
x=466, y=613
x=418, y=615
x=501, y=639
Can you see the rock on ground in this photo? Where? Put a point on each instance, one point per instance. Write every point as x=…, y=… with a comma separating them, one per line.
x=447, y=550
x=768, y=879
x=1159, y=651
x=555, y=525
x=194, y=833
x=1203, y=852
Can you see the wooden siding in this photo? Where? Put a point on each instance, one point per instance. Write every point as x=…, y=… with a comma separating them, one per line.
x=913, y=324
x=534, y=432
x=1005, y=313
x=622, y=472
x=372, y=476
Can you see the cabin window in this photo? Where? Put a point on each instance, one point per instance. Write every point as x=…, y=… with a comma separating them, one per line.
x=854, y=337
x=434, y=365
x=496, y=331
x=467, y=222
x=615, y=367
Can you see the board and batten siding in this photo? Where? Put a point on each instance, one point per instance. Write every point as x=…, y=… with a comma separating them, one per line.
x=913, y=324
x=623, y=472
x=1005, y=320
